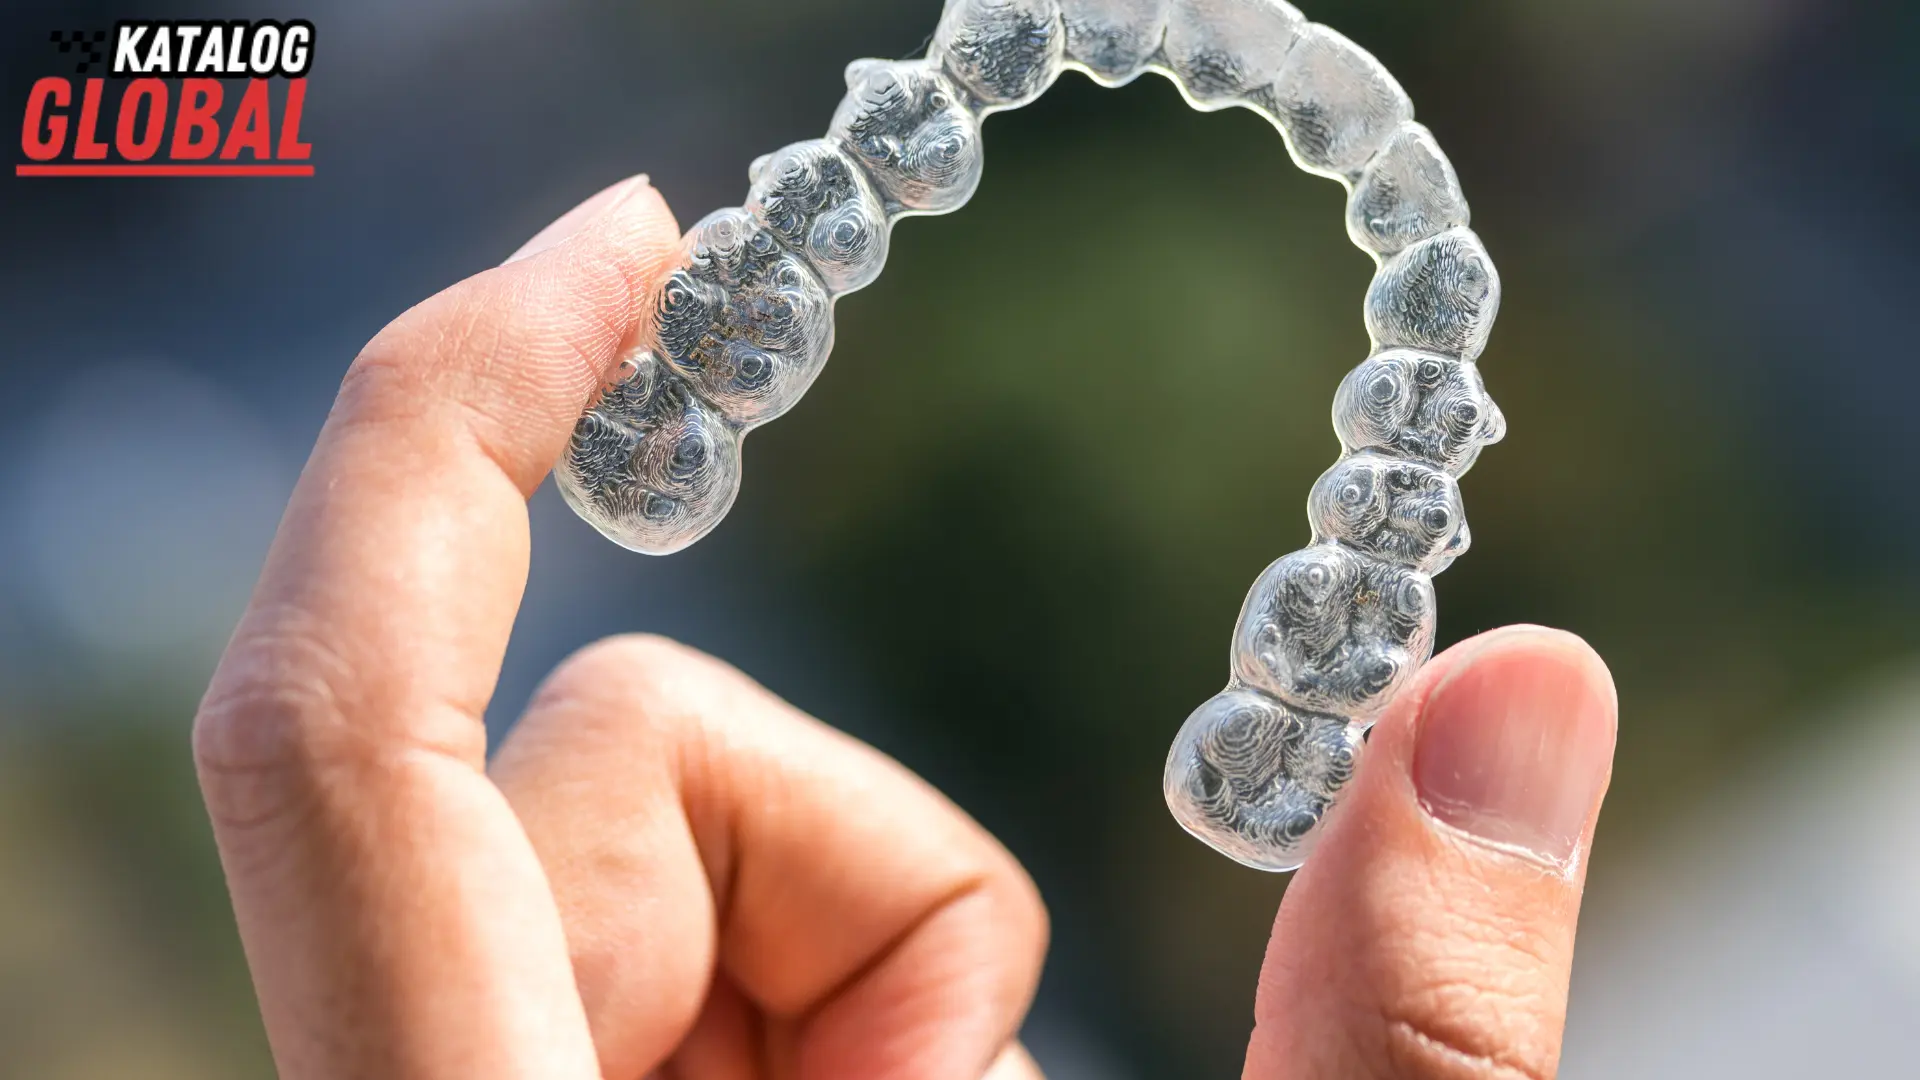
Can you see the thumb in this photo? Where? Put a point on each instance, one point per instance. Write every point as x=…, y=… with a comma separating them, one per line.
x=1432, y=934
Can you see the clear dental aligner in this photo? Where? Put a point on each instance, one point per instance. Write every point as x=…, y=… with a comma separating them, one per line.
x=1328, y=634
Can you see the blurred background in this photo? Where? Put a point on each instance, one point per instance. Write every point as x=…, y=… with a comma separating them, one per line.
x=1007, y=534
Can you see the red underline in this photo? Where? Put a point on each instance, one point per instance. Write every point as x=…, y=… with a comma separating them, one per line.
x=163, y=170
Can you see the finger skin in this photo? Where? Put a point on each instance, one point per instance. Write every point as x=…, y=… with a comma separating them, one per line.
x=689, y=820
x=392, y=909
x=1015, y=1064
x=1408, y=949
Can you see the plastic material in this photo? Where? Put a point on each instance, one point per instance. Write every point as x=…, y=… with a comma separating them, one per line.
x=1329, y=633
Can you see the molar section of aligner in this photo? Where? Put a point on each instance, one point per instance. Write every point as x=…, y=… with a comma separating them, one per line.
x=1330, y=630
x=908, y=125
x=1400, y=511
x=1439, y=295
x=744, y=320
x=818, y=201
x=1225, y=52
x=1005, y=53
x=1433, y=408
x=1336, y=104
x=1407, y=193
x=1254, y=778
x=650, y=465
x=1114, y=40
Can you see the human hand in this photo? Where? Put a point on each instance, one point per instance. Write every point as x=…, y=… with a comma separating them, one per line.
x=670, y=872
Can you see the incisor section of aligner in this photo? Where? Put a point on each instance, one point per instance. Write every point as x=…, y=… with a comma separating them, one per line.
x=1328, y=634
x=1336, y=103
x=1407, y=193
x=1004, y=52
x=1114, y=40
x=1224, y=51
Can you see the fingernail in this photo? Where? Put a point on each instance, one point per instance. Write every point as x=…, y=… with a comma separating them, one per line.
x=1515, y=746
x=577, y=218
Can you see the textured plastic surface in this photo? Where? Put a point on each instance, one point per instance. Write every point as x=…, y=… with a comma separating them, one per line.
x=1328, y=634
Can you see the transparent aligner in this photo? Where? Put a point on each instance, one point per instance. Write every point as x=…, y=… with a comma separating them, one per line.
x=1253, y=778
x=817, y=201
x=1327, y=635
x=1004, y=52
x=1336, y=103
x=1114, y=40
x=1224, y=51
x=1327, y=629
x=907, y=124
x=1409, y=192
x=1433, y=408
x=1439, y=295
x=744, y=320
x=651, y=466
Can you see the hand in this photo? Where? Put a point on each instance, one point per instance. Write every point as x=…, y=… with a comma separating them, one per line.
x=671, y=872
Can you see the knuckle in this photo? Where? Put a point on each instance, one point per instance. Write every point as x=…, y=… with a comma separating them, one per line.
x=281, y=728
x=1437, y=1052
x=459, y=353
x=272, y=712
x=635, y=690
x=399, y=365
x=643, y=674
x=647, y=657
x=1470, y=1030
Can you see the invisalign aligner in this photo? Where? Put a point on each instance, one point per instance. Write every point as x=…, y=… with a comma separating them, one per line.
x=1329, y=633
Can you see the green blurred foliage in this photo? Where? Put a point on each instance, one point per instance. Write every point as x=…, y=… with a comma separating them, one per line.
x=118, y=953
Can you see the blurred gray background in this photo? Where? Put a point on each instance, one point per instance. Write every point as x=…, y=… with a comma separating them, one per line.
x=1006, y=535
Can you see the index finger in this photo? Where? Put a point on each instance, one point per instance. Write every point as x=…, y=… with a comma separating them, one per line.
x=393, y=911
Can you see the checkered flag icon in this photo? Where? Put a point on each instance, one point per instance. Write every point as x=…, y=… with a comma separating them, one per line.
x=92, y=44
